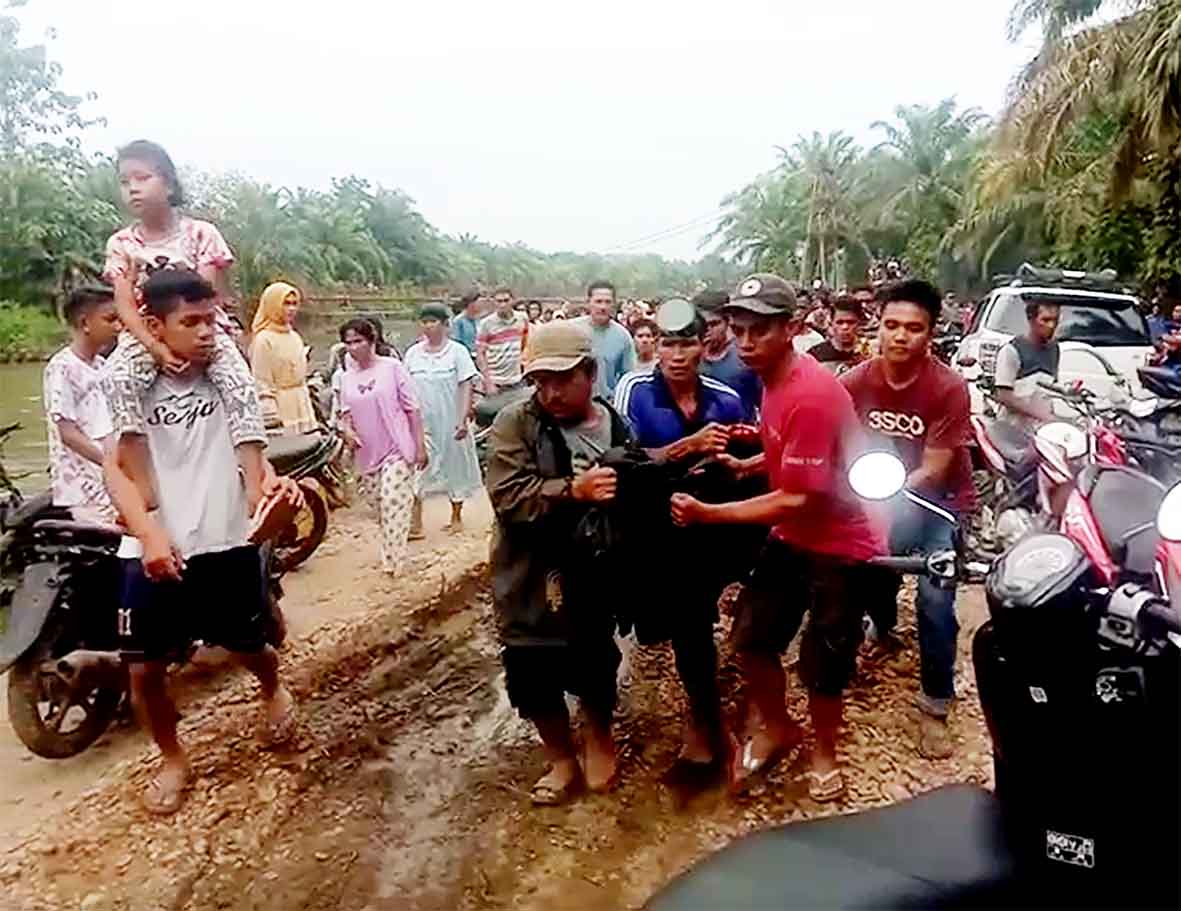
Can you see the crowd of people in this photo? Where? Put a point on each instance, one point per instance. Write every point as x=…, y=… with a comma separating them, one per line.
x=712, y=434
x=742, y=427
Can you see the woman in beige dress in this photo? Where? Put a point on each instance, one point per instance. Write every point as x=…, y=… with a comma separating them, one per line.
x=280, y=361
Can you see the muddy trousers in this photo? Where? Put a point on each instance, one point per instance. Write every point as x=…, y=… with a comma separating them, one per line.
x=696, y=657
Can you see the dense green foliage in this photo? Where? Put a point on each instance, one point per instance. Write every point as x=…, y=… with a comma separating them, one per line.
x=1081, y=168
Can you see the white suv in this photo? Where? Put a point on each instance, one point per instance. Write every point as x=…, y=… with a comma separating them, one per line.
x=1104, y=337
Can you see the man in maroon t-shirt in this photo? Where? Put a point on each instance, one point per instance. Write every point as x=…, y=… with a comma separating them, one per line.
x=814, y=560
x=911, y=403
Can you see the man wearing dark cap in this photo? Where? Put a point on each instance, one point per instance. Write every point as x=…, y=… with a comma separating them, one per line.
x=542, y=478
x=814, y=560
x=719, y=359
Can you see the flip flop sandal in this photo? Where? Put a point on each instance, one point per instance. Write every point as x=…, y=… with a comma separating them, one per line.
x=546, y=795
x=274, y=514
x=825, y=786
x=745, y=769
x=160, y=800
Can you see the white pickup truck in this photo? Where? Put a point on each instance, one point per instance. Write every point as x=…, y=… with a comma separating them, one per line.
x=1104, y=337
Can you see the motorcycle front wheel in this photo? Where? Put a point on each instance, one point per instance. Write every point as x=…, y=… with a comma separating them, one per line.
x=51, y=717
x=301, y=538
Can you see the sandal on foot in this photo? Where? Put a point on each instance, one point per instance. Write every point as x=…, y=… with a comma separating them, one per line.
x=745, y=768
x=545, y=794
x=160, y=799
x=825, y=786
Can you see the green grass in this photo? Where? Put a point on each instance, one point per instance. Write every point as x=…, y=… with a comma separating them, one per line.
x=28, y=333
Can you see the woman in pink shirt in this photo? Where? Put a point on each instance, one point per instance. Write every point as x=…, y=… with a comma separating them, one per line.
x=380, y=418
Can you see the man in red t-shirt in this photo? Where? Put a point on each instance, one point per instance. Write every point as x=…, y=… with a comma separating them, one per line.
x=814, y=560
x=916, y=406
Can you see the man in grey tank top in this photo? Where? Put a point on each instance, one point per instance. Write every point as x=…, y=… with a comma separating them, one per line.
x=1026, y=362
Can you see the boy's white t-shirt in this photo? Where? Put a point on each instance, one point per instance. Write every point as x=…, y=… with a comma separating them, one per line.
x=72, y=390
x=202, y=498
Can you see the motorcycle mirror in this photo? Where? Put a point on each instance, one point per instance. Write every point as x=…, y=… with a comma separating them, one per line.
x=966, y=361
x=676, y=315
x=1168, y=517
x=877, y=475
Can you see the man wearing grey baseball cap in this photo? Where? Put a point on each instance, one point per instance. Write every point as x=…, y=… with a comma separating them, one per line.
x=542, y=477
x=814, y=561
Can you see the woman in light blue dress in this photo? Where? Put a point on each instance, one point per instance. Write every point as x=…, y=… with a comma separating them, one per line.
x=444, y=373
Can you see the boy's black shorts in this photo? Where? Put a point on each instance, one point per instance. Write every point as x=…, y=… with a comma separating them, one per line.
x=221, y=600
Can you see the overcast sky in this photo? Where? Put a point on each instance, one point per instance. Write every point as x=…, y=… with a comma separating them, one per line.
x=591, y=126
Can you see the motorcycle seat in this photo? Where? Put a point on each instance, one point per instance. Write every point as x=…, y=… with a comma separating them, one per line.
x=1123, y=500
x=1013, y=443
x=104, y=534
x=290, y=449
x=943, y=849
x=1161, y=381
x=39, y=506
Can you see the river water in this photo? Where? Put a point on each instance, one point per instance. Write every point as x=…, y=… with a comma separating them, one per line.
x=20, y=402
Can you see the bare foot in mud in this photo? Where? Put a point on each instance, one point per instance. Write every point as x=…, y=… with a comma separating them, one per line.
x=558, y=785
x=600, y=762
x=698, y=746
x=165, y=791
x=279, y=718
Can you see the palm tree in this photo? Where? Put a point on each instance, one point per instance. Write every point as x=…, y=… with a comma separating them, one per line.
x=829, y=168
x=928, y=153
x=1128, y=68
x=763, y=223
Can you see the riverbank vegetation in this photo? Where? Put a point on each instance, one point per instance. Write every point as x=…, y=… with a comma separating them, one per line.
x=1082, y=168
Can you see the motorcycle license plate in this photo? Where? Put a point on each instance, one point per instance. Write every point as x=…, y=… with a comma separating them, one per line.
x=1070, y=849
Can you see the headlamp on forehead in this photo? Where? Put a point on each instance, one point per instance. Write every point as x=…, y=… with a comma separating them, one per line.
x=677, y=317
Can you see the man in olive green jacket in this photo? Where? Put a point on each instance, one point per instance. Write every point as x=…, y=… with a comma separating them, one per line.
x=542, y=478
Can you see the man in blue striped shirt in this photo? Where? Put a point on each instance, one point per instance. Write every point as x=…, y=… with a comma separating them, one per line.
x=675, y=413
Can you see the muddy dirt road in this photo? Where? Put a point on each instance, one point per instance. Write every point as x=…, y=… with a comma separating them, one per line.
x=407, y=786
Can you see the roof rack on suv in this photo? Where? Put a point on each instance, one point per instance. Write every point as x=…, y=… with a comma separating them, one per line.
x=1028, y=274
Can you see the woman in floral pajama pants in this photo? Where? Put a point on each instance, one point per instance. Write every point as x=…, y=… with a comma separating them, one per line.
x=380, y=417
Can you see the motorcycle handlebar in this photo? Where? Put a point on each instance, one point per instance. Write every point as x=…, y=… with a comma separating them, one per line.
x=908, y=565
x=1163, y=616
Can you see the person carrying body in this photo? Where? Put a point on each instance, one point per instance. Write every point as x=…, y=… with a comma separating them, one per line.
x=814, y=561
x=542, y=478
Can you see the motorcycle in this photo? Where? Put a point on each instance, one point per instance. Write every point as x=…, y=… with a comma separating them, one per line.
x=59, y=590
x=1025, y=476
x=1078, y=676
x=314, y=460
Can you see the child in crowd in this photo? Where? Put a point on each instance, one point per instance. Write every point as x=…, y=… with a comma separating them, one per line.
x=77, y=419
x=162, y=237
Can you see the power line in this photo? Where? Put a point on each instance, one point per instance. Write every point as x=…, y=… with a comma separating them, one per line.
x=667, y=232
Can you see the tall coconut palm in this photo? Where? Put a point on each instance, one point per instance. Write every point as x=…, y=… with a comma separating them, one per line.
x=829, y=169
